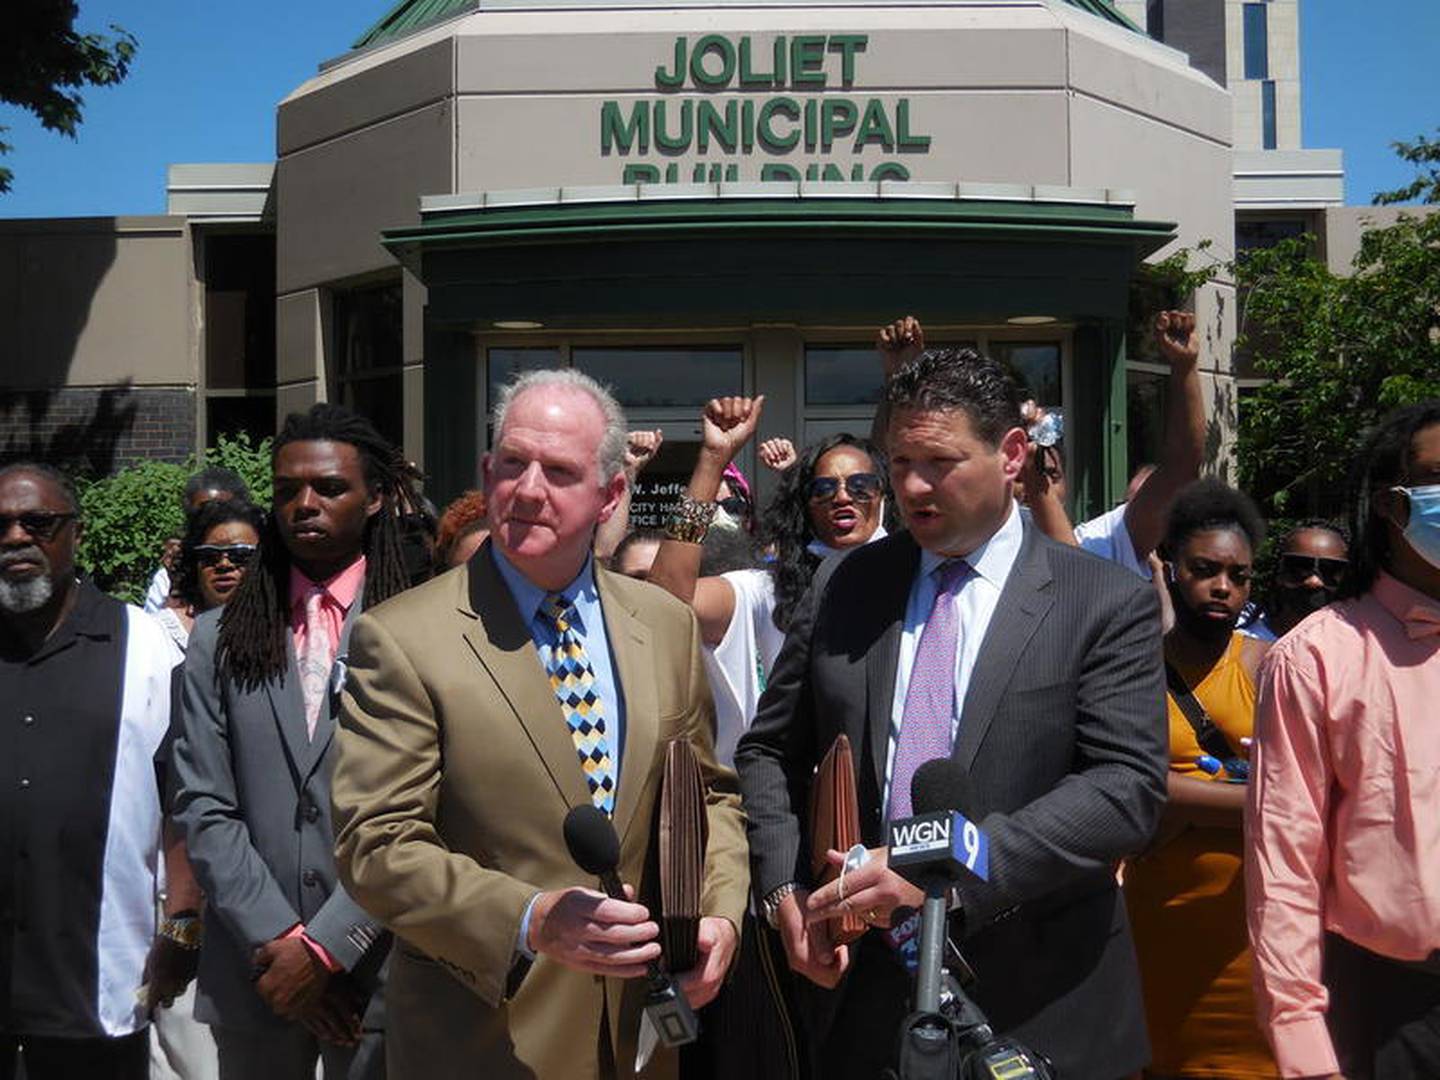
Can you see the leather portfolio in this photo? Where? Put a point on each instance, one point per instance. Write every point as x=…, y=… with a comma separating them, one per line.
x=684, y=831
x=835, y=826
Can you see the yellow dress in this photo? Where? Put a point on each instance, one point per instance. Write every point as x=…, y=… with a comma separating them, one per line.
x=1187, y=908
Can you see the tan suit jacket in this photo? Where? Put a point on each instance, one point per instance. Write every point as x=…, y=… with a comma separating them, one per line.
x=456, y=771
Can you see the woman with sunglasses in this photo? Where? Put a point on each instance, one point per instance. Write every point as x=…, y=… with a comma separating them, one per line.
x=830, y=500
x=1313, y=564
x=220, y=540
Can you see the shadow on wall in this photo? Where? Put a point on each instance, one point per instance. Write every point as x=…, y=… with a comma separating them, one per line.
x=78, y=431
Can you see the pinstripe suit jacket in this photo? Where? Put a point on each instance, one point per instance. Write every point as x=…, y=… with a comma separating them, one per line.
x=1064, y=735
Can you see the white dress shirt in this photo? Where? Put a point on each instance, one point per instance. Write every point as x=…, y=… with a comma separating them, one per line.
x=974, y=602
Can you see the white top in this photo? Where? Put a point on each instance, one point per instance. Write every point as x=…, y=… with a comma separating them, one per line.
x=1108, y=537
x=175, y=632
x=975, y=604
x=158, y=592
x=740, y=664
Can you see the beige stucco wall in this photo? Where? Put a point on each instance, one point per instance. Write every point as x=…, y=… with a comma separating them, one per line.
x=1344, y=226
x=97, y=302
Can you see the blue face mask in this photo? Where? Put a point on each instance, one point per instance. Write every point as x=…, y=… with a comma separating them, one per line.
x=1423, y=531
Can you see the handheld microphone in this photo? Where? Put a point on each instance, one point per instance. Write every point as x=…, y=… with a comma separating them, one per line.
x=667, y=1017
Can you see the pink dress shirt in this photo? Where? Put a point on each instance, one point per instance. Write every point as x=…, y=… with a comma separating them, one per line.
x=340, y=592
x=1343, y=821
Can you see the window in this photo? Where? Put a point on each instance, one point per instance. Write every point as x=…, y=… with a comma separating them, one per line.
x=1155, y=19
x=369, y=355
x=1253, y=233
x=1267, y=115
x=651, y=377
x=239, y=307
x=1035, y=365
x=1145, y=391
x=842, y=375
x=1257, y=42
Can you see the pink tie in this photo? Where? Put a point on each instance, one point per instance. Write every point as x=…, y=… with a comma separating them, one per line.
x=926, y=724
x=317, y=660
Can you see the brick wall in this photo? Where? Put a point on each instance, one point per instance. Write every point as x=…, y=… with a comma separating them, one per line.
x=97, y=430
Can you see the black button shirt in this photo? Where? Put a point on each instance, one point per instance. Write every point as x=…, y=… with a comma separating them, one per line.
x=60, y=722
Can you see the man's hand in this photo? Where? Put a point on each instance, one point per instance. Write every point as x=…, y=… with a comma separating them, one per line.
x=1177, y=338
x=1042, y=463
x=727, y=424
x=899, y=343
x=873, y=892
x=778, y=454
x=808, y=946
x=334, y=1016
x=292, y=976
x=170, y=553
x=169, y=968
x=640, y=449
x=589, y=931
x=717, y=940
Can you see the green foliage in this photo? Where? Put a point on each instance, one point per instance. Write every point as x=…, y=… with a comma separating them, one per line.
x=43, y=60
x=252, y=462
x=1341, y=353
x=1424, y=154
x=128, y=516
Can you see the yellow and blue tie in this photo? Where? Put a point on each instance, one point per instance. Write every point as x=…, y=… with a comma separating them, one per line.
x=573, y=680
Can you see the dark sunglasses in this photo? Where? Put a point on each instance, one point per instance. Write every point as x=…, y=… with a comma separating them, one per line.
x=38, y=525
x=860, y=486
x=1295, y=569
x=735, y=505
x=214, y=554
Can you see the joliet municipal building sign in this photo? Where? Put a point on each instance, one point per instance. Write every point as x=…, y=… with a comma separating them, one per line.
x=747, y=100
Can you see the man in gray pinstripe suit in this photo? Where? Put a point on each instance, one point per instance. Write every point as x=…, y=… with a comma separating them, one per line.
x=1035, y=666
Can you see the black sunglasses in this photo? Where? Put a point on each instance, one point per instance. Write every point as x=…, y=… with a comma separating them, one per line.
x=860, y=486
x=213, y=554
x=38, y=524
x=1295, y=569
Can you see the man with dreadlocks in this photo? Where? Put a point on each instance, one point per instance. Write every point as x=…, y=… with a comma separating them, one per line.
x=289, y=958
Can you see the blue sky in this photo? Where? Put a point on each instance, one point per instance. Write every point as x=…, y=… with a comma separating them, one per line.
x=207, y=77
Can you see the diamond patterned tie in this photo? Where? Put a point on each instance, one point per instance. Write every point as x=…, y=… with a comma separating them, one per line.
x=573, y=680
x=927, y=721
x=317, y=659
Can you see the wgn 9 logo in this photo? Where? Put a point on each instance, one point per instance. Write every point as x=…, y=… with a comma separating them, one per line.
x=945, y=841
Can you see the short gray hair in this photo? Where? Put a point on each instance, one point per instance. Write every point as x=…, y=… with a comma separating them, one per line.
x=610, y=456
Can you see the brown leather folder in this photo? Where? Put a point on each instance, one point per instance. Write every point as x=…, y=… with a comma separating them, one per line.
x=835, y=826
x=684, y=832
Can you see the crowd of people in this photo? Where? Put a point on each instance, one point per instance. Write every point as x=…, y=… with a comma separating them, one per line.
x=306, y=814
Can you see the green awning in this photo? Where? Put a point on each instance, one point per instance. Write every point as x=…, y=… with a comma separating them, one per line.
x=628, y=256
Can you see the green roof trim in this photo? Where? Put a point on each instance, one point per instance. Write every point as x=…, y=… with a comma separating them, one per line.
x=568, y=222
x=408, y=16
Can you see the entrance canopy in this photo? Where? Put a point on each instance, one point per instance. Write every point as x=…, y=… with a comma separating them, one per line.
x=807, y=252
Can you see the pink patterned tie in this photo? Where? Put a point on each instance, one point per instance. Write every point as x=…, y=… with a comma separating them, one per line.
x=317, y=660
x=925, y=725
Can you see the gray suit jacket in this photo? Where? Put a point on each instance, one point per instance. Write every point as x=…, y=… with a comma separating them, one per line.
x=1063, y=731
x=253, y=796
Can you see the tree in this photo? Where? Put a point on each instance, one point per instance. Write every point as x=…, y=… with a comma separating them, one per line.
x=1339, y=351
x=43, y=62
x=1424, y=154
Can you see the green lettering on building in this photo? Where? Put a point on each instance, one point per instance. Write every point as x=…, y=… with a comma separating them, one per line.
x=709, y=124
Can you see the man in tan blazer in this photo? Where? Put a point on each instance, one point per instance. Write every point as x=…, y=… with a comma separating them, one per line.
x=458, y=764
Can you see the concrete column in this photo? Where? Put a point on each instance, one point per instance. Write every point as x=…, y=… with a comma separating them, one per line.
x=777, y=352
x=302, y=326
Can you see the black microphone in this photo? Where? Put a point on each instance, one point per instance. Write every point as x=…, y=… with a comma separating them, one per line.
x=594, y=846
x=941, y=784
x=667, y=1018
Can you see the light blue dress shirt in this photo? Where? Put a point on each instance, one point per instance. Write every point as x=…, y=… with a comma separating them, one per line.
x=589, y=627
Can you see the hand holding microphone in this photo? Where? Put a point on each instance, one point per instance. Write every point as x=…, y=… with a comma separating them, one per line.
x=591, y=931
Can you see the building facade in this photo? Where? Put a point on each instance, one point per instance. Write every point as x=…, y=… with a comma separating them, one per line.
x=700, y=198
